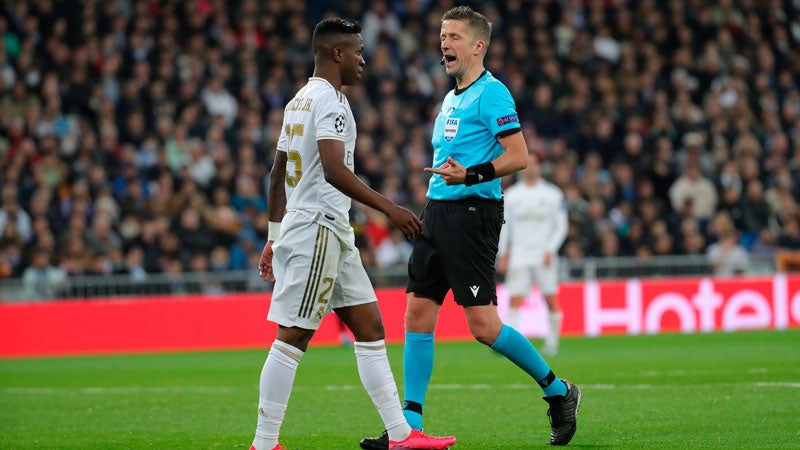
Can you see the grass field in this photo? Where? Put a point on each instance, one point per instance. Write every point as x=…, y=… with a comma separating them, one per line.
x=739, y=390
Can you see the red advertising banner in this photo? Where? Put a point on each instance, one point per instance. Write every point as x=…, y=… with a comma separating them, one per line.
x=231, y=321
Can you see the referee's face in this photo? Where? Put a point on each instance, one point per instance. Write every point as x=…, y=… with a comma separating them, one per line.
x=461, y=51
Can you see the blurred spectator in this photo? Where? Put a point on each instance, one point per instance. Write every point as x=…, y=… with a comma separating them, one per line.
x=41, y=279
x=790, y=238
x=115, y=117
x=393, y=251
x=726, y=256
x=12, y=216
x=693, y=189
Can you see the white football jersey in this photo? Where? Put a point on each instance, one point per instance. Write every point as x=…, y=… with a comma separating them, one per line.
x=536, y=222
x=317, y=111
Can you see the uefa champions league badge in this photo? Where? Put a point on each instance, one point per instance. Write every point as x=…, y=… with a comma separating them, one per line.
x=450, y=129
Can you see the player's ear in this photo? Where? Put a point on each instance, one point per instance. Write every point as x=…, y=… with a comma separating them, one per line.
x=337, y=54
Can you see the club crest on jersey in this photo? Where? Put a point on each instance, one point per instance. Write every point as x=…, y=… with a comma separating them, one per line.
x=339, y=124
x=450, y=129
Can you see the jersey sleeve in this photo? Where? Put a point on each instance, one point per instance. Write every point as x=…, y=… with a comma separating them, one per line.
x=331, y=118
x=497, y=109
x=282, y=139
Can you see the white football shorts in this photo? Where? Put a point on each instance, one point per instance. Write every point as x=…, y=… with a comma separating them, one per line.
x=521, y=279
x=317, y=268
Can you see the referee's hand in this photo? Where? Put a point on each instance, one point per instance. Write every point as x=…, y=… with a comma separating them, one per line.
x=452, y=172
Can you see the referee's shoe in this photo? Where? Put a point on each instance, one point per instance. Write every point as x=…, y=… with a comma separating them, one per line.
x=563, y=414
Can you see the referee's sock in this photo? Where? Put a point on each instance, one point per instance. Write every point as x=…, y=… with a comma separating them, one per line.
x=514, y=346
x=417, y=370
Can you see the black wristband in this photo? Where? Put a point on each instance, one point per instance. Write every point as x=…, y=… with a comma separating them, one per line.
x=479, y=173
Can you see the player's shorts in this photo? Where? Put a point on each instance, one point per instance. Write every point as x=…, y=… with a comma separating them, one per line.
x=317, y=268
x=457, y=250
x=521, y=279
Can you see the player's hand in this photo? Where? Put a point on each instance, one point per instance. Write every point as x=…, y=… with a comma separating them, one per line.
x=548, y=258
x=406, y=221
x=265, y=264
x=452, y=172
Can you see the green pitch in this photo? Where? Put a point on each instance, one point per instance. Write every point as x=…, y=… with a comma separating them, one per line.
x=739, y=390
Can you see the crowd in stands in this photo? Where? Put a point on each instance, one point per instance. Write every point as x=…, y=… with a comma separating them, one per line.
x=136, y=136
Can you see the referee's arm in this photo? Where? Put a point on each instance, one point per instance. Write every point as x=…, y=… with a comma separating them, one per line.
x=515, y=156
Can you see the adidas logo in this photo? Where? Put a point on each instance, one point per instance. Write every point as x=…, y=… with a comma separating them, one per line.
x=474, y=290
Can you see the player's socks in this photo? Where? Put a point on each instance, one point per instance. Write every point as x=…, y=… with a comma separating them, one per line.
x=275, y=386
x=377, y=378
x=554, y=319
x=514, y=346
x=417, y=370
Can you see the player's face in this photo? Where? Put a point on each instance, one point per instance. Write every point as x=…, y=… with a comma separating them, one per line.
x=353, y=60
x=460, y=49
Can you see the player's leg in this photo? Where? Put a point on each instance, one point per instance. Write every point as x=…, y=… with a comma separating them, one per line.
x=354, y=302
x=373, y=366
x=547, y=280
x=519, y=283
x=299, y=301
x=275, y=384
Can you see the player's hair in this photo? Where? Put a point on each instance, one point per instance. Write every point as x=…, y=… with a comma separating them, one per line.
x=477, y=24
x=328, y=27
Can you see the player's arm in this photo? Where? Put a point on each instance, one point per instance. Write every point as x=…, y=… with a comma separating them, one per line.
x=276, y=197
x=276, y=208
x=331, y=153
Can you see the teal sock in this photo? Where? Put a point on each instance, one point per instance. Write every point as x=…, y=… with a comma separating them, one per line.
x=417, y=370
x=519, y=350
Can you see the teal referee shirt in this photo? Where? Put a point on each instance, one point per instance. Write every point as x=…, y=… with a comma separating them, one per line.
x=466, y=129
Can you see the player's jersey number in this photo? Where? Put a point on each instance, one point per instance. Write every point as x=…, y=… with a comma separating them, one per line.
x=293, y=156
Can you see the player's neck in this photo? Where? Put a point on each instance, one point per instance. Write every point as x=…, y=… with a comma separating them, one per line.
x=469, y=77
x=332, y=77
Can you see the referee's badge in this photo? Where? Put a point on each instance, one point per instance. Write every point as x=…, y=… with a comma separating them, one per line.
x=450, y=129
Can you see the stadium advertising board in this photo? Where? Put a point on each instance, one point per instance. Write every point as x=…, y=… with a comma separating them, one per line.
x=671, y=305
x=230, y=321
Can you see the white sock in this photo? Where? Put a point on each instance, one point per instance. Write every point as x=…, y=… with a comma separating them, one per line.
x=512, y=318
x=275, y=386
x=378, y=380
x=555, y=328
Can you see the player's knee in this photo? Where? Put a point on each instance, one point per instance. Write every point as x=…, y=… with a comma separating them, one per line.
x=296, y=337
x=369, y=332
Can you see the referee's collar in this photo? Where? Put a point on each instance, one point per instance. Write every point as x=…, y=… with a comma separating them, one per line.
x=461, y=91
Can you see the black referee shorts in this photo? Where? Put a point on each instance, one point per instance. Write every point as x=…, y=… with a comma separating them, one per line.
x=457, y=250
